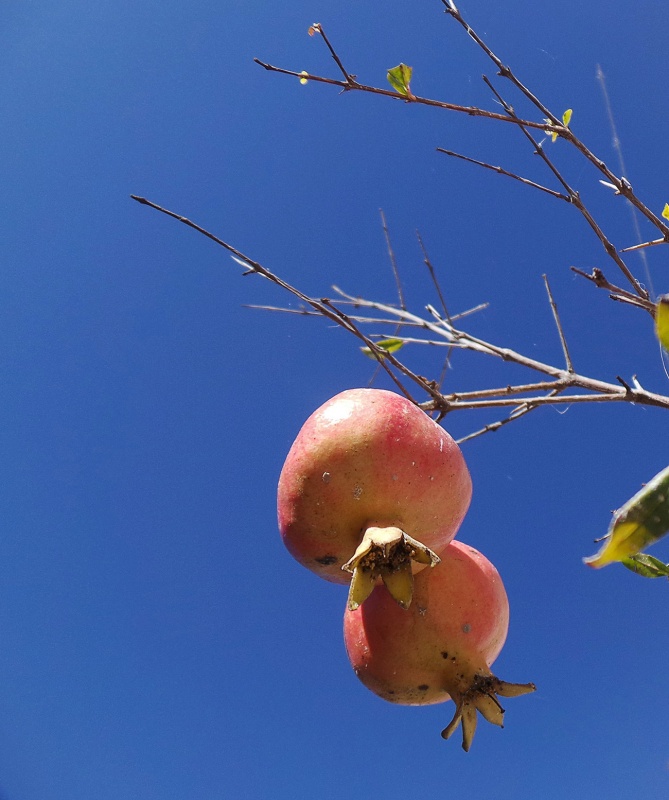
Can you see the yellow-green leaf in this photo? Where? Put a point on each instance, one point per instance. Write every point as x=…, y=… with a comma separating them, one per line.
x=389, y=345
x=665, y=211
x=662, y=320
x=399, y=78
x=641, y=521
x=566, y=119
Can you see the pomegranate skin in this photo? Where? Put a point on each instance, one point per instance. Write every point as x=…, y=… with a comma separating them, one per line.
x=369, y=457
x=457, y=624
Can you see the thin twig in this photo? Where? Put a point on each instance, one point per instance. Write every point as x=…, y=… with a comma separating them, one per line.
x=502, y=171
x=575, y=199
x=305, y=312
x=398, y=283
x=471, y=111
x=495, y=426
x=551, y=125
x=437, y=286
x=617, y=293
x=384, y=357
x=350, y=79
x=556, y=317
x=617, y=146
x=502, y=70
x=433, y=276
x=444, y=333
x=393, y=261
x=518, y=412
x=458, y=338
x=622, y=185
x=640, y=246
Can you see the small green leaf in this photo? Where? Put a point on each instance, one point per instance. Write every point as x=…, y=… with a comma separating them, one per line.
x=389, y=345
x=639, y=523
x=662, y=320
x=665, y=211
x=646, y=566
x=399, y=78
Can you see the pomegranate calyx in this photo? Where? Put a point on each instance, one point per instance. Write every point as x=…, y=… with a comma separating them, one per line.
x=482, y=697
x=386, y=553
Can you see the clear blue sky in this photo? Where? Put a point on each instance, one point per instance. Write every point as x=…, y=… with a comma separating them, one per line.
x=156, y=641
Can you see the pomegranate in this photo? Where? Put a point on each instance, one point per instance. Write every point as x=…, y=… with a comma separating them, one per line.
x=443, y=646
x=372, y=486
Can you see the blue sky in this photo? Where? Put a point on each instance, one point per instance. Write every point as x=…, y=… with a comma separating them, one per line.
x=157, y=640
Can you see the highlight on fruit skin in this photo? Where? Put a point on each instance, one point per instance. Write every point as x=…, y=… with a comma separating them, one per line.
x=372, y=490
x=639, y=523
x=441, y=648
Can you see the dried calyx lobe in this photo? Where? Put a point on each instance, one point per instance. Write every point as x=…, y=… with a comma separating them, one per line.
x=443, y=646
x=372, y=489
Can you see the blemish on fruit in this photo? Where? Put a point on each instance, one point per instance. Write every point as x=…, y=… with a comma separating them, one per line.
x=466, y=628
x=444, y=654
x=326, y=477
x=326, y=561
x=423, y=687
x=357, y=491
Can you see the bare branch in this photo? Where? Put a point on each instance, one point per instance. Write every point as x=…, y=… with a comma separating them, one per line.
x=617, y=146
x=443, y=332
x=471, y=111
x=621, y=184
x=502, y=171
x=393, y=261
x=640, y=246
x=495, y=426
x=575, y=199
x=433, y=275
x=350, y=79
x=556, y=317
x=617, y=293
x=502, y=71
x=599, y=391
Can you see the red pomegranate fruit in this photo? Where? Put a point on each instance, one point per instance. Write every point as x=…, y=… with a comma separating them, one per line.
x=443, y=646
x=374, y=487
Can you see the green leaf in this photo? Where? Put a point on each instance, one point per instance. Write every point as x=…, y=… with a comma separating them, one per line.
x=399, y=78
x=639, y=523
x=389, y=345
x=646, y=566
x=665, y=211
x=662, y=320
